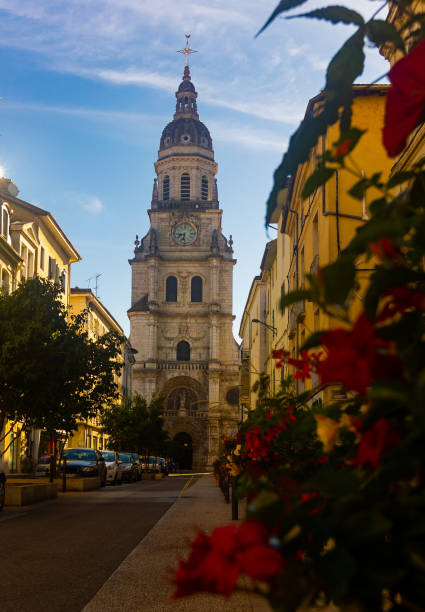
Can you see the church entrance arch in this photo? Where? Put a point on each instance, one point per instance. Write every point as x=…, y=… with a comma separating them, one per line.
x=183, y=438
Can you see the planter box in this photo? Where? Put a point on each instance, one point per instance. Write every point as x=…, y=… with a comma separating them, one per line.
x=148, y=476
x=21, y=493
x=79, y=484
x=159, y=476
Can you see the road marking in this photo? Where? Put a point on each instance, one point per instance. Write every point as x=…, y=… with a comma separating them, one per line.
x=185, y=487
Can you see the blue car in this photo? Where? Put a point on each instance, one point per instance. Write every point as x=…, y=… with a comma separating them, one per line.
x=84, y=462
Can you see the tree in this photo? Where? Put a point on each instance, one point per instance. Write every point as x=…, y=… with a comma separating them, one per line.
x=51, y=373
x=136, y=426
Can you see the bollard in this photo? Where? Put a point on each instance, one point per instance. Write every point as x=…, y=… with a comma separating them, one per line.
x=64, y=474
x=52, y=467
x=235, y=508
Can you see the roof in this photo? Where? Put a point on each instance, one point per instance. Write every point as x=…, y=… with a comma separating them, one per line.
x=49, y=219
x=286, y=167
x=98, y=304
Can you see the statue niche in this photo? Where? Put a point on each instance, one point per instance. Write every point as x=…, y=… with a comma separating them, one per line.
x=182, y=398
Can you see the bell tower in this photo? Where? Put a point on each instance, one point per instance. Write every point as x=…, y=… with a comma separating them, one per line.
x=181, y=298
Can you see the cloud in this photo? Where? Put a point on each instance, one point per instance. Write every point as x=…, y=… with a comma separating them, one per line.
x=247, y=136
x=90, y=203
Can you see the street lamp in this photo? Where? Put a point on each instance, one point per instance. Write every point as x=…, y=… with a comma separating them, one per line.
x=274, y=329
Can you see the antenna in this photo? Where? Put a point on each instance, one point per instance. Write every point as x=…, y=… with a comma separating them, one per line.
x=95, y=282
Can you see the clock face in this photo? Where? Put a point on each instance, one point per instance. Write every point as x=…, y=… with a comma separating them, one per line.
x=184, y=233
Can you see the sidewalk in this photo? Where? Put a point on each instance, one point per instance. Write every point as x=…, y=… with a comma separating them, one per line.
x=143, y=580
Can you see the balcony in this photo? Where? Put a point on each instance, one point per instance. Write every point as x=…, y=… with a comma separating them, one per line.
x=182, y=365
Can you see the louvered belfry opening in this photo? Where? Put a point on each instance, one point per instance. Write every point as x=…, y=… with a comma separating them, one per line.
x=166, y=188
x=185, y=186
x=204, y=188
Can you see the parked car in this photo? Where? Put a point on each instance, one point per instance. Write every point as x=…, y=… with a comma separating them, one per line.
x=83, y=462
x=138, y=464
x=43, y=466
x=3, y=469
x=113, y=467
x=129, y=467
x=152, y=465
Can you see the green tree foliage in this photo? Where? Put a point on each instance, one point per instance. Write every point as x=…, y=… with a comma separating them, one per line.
x=51, y=373
x=136, y=426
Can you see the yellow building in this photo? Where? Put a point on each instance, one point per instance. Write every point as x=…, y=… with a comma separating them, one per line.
x=254, y=330
x=320, y=227
x=31, y=243
x=99, y=322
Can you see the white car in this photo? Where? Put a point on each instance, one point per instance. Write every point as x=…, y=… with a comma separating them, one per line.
x=113, y=467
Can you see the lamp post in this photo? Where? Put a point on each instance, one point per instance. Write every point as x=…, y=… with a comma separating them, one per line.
x=274, y=329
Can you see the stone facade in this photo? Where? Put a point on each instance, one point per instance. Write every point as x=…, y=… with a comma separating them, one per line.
x=181, y=301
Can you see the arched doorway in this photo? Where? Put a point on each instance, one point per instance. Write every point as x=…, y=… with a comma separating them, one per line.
x=185, y=462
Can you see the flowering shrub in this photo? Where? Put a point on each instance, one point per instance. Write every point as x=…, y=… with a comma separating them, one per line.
x=340, y=488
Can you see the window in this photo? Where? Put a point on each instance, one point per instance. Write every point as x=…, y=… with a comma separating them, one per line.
x=5, y=223
x=204, y=188
x=185, y=187
x=166, y=188
x=196, y=289
x=62, y=281
x=183, y=351
x=52, y=268
x=42, y=258
x=171, y=289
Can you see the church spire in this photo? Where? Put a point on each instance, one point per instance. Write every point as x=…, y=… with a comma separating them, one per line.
x=186, y=94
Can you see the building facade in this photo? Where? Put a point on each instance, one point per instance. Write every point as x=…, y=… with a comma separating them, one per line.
x=31, y=244
x=99, y=322
x=181, y=301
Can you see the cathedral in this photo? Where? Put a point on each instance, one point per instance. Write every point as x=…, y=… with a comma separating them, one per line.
x=181, y=299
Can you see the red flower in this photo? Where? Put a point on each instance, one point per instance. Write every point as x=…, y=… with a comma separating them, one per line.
x=216, y=562
x=357, y=357
x=402, y=299
x=380, y=437
x=302, y=366
x=405, y=99
x=385, y=250
x=343, y=148
x=280, y=355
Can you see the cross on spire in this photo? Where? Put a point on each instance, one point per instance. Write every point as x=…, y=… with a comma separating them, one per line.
x=187, y=51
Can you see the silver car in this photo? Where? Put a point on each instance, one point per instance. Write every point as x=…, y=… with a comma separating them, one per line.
x=113, y=467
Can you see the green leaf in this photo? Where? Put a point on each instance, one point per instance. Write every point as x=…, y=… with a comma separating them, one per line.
x=351, y=137
x=400, y=178
x=373, y=230
x=312, y=341
x=388, y=393
x=295, y=296
x=319, y=177
x=338, y=279
x=347, y=64
x=359, y=189
x=334, y=14
x=284, y=5
x=381, y=32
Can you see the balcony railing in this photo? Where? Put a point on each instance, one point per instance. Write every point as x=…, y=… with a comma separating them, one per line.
x=182, y=365
x=196, y=414
x=172, y=365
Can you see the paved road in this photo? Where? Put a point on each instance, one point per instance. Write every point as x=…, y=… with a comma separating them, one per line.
x=56, y=555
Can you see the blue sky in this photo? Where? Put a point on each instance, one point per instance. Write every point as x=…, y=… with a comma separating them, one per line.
x=88, y=85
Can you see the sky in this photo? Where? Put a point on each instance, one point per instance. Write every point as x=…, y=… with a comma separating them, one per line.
x=87, y=87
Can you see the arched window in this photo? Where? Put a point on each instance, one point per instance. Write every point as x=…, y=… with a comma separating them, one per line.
x=171, y=289
x=166, y=188
x=5, y=222
x=183, y=351
x=196, y=289
x=185, y=187
x=204, y=188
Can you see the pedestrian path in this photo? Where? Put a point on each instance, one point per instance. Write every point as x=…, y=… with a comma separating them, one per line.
x=143, y=581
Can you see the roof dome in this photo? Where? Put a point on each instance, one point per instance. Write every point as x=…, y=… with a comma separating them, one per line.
x=186, y=85
x=185, y=131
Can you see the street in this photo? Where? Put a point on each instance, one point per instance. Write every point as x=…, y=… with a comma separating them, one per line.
x=55, y=556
